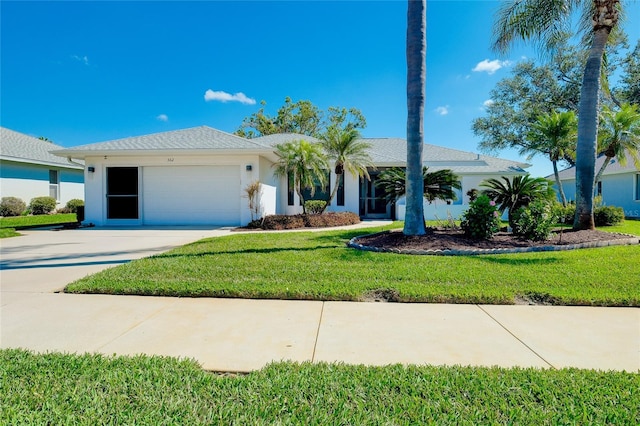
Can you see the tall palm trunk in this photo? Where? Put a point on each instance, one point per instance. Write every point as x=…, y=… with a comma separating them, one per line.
x=334, y=191
x=556, y=174
x=588, y=131
x=416, y=75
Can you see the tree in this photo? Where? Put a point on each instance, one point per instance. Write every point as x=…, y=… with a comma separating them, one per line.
x=518, y=192
x=629, y=90
x=620, y=134
x=300, y=117
x=438, y=185
x=555, y=136
x=45, y=139
x=304, y=162
x=348, y=152
x=416, y=74
x=529, y=92
x=543, y=20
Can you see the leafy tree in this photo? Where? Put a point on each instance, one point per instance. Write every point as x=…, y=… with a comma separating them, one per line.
x=46, y=139
x=629, y=90
x=305, y=161
x=438, y=185
x=518, y=192
x=344, y=147
x=620, y=133
x=416, y=74
x=519, y=100
x=300, y=117
x=555, y=136
x=543, y=20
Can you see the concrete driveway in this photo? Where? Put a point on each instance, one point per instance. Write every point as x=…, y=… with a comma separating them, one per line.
x=243, y=335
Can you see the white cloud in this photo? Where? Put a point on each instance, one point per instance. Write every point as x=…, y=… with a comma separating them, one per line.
x=490, y=67
x=442, y=110
x=488, y=102
x=162, y=117
x=83, y=59
x=211, y=95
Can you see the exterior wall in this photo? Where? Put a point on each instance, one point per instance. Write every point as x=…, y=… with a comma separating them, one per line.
x=27, y=181
x=95, y=182
x=617, y=190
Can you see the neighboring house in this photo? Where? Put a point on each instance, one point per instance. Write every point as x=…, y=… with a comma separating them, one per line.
x=29, y=170
x=619, y=186
x=198, y=176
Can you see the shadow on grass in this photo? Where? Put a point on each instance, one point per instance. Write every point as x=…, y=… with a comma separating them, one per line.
x=520, y=261
x=241, y=251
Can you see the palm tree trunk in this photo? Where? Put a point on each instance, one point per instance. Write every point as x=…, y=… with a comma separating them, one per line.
x=563, y=198
x=300, y=196
x=607, y=161
x=588, y=131
x=416, y=75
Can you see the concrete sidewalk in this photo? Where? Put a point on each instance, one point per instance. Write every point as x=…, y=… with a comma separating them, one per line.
x=243, y=335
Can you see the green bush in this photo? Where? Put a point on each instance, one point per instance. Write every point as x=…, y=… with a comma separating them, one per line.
x=12, y=206
x=482, y=220
x=564, y=214
x=279, y=221
x=72, y=205
x=314, y=206
x=535, y=221
x=608, y=215
x=42, y=205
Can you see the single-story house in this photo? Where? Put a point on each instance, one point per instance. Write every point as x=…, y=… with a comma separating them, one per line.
x=29, y=170
x=619, y=185
x=199, y=175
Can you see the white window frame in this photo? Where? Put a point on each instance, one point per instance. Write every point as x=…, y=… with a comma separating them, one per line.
x=54, y=185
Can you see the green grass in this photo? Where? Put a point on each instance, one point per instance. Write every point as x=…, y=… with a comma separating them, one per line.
x=318, y=265
x=8, y=232
x=19, y=222
x=93, y=389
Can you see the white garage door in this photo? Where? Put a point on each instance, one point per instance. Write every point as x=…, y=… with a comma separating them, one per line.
x=191, y=195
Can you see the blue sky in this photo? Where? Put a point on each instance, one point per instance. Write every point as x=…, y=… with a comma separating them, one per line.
x=82, y=71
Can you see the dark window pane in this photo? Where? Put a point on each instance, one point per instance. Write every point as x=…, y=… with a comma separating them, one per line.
x=122, y=181
x=340, y=194
x=122, y=208
x=290, y=189
x=53, y=177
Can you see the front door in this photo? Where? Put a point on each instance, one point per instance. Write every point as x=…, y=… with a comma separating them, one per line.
x=122, y=193
x=372, y=202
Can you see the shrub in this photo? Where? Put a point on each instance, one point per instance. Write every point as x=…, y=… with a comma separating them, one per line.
x=314, y=206
x=12, y=206
x=564, y=214
x=72, y=205
x=535, y=221
x=42, y=205
x=279, y=222
x=608, y=215
x=482, y=220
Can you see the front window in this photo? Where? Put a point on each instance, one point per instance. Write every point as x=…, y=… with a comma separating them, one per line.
x=54, y=184
x=320, y=192
x=599, y=188
x=638, y=187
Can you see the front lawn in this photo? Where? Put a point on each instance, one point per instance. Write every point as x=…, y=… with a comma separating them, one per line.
x=318, y=265
x=94, y=389
x=18, y=222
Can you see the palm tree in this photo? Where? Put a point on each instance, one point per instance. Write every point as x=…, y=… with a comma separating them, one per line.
x=544, y=21
x=620, y=133
x=305, y=162
x=519, y=192
x=348, y=152
x=555, y=136
x=438, y=185
x=416, y=75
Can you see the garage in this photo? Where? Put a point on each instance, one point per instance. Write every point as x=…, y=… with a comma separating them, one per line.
x=191, y=195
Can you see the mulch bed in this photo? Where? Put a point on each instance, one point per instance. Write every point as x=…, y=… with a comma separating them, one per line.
x=445, y=239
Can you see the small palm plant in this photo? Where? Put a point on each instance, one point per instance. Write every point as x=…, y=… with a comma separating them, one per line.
x=619, y=135
x=305, y=162
x=518, y=192
x=438, y=185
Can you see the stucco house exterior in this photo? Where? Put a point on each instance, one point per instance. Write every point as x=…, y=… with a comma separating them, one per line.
x=198, y=176
x=29, y=170
x=619, y=185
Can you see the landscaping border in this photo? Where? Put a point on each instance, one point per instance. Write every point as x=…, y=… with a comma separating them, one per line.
x=633, y=239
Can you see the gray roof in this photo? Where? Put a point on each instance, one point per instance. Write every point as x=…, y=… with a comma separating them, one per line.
x=23, y=148
x=393, y=152
x=193, y=139
x=613, y=168
x=385, y=152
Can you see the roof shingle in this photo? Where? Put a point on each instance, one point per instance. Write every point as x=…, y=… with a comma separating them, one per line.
x=23, y=148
